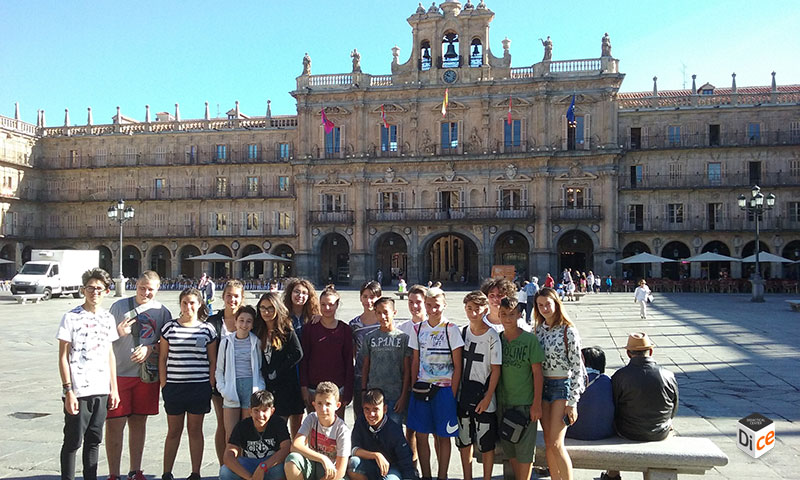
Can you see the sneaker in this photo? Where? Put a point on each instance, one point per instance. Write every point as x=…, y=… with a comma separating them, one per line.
x=194, y=476
x=167, y=476
x=604, y=476
x=137, y=475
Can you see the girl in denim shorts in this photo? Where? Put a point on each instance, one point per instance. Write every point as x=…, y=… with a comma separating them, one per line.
x=563, y=378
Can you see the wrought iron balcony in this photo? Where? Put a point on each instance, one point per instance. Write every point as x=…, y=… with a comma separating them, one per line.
x=525, y=213
x=588, y=213
x=705, y=180
x=343, y=217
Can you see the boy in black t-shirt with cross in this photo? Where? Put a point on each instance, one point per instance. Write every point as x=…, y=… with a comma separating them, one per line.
x=258, y=444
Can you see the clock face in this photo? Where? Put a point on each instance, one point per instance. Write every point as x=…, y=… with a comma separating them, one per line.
x=449, y=76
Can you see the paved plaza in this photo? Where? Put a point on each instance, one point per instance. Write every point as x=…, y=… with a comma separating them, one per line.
x=731, y=358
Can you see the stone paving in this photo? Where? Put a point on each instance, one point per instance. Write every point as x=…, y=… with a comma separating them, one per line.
x=731, y=357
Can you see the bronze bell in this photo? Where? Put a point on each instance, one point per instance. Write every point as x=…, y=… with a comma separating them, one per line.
x=426, y=54
x=451, y=52
x=475, y=50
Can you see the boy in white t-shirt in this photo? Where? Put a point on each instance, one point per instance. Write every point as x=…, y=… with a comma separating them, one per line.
x=321, y=448
x=87, y=366
x=436, y=370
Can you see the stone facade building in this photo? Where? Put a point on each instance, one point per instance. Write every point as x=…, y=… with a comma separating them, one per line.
x=454, y=162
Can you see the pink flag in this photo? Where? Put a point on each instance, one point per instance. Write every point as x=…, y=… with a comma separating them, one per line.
x=383, y=117
x=326, y=123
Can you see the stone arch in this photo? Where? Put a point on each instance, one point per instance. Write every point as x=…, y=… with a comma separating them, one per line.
x=450, y=50
x=8, y=252
x=334, y=258
x=189, y=268
x=476, y=52
x=749, y=269
x=106, y=258
x=512, y=248
x=576, y=250
x=714, y=270
x=675, y=250
x=635, y=270
x=253, y=269
x=221, y=269
x=449, y=256
x=161, y=261
x=283, y=269
x=425, y=55
x=131, y=261
x=391, y=256
x=792, y=251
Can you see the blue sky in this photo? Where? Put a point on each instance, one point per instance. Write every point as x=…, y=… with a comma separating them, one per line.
x=75, y=54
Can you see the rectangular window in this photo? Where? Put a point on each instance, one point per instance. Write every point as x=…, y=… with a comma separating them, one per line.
x=675, y=212
x=794, y=168
x=221, y=221
x=510, y=199
x=252, y=185
x=160, y=220
x=754, y=132
x=636, y=216
x=512, y=134
x=574, y=197
x=390, y=201
x=284, y=221
x=283, y=151
x=130, y=155
x=252, y=221
x=714, y=172
x=331, y=202
x=221, y=152
x=714, y=215
x=575, y=133
x=73, y=158
x=389, y=138
x=675, y=173
x=283, y=183
x=191, y=154
x=755, y=172
x=794, y=211
x=252, y=151
x=222, y=186
x=636, y=138
x=674, y=135
x=161, y=154
x=332, y=140
x=794, y=132
x=713, y=135
x=637, y=175
x=449, y=135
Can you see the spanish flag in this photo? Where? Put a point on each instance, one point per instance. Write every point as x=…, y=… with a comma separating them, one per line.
x=383, y=117
x=509, y=110
x=445, y=102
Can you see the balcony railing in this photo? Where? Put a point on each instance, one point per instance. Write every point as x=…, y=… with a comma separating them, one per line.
x=628, y=101
x=591, y=212
x=698, y=140
x=163, y=193
x=155, y=231
x=723, y=223
x=702, y=180
x=345, y=217
x=526, y=213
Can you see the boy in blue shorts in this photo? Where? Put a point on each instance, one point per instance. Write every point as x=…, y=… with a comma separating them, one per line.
x=436, y=370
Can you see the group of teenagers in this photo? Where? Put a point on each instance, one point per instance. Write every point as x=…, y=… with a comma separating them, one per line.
x=279, y=374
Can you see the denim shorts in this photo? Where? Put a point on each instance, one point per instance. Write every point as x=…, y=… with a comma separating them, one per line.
x=556, y=389
x=244, y=389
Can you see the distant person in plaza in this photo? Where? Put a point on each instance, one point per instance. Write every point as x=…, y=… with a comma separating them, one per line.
x=380, y=450
x=362, y=325
x=238, y=372
x=477, y=403
x=401, y=285
x=609, y=284
x=322, y=446
x=641, y=296
x=281, y=354
x=379, y=276
x=531, y=289
x=563, y=378
x=139, y=320
x=549, y=282
x=522, y=297
x=521, y=387
x=387, y=362
x=87, y=367
x=273, y=286
x=301, y=300
x=645, y=396
x=187, y=363
x=596, y=408
x=327, y=352
x=207, y=287
x=224, y=323
x=436, y=374
x=258, y=444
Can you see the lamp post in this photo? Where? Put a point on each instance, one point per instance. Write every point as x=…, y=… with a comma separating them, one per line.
x=756, y=206
x=121, y=214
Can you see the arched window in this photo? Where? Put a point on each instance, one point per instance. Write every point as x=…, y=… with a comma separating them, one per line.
x=425, y=55
x=476, y=53
x=451, y=58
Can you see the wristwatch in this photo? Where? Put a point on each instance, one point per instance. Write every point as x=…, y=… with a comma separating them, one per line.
x=67, y=387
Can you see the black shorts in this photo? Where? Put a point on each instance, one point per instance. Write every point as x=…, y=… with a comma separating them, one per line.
x=180, y=398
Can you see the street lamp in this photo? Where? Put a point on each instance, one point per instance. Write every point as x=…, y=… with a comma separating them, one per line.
x=756, y=207
x=121, y=214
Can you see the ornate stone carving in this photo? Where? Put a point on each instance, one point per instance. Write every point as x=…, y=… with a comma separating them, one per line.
x=511, y=171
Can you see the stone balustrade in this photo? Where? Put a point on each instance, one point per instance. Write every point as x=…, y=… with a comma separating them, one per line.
x=685, y=99
x=17, y=125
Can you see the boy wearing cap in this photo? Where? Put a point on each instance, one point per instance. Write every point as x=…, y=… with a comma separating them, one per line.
x=645, y=396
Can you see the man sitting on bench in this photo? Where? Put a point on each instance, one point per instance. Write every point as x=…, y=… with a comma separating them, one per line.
x=645, y=396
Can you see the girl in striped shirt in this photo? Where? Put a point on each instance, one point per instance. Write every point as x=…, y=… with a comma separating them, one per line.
x=187, y=364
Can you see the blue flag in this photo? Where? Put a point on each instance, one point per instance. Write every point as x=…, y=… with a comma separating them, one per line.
x=571, y=113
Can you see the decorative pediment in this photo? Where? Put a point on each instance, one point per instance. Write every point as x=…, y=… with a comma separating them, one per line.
x=450, y=175
x=512, y=175
x=515, y=102
x=576, y=172
x=452, y=105
x=390, y=178
x=580, y=98
x=332, y=180
x=390, y=108
x=336, y=110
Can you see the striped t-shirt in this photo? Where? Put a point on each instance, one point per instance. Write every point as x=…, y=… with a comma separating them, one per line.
x=187, y=361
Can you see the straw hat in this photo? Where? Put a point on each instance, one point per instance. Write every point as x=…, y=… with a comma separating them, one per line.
x=639, y=341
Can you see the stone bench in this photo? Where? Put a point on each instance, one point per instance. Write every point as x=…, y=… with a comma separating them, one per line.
x=575, y=296
x=663, y=460
x=794, y=305
x=402, y=295
x=33, y=297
